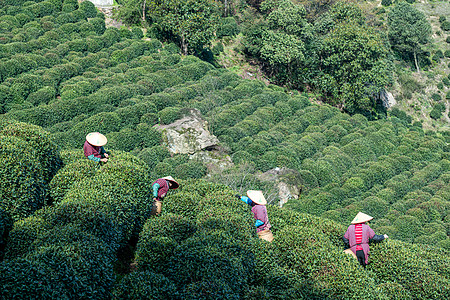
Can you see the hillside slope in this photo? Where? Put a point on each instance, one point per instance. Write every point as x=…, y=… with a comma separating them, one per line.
x=202, y=246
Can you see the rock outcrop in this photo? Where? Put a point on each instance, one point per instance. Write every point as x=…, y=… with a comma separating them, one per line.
x=387, y=98
x=100, y=3
x=190, y=135
x=288, y=182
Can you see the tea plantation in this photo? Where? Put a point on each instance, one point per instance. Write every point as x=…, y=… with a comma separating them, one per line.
x=71, y=228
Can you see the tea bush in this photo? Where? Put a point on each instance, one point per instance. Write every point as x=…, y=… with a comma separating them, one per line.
x=145, y=285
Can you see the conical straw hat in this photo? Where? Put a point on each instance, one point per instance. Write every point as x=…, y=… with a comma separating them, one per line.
x=175, y=184
x=96, y=139
x=257, y=197
x=361, y=218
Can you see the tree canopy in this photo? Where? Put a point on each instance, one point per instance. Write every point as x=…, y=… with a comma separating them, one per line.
x=408, y=30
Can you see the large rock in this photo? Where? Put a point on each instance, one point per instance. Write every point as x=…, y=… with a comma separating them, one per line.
x=387, y=98
x=102, y=2
x=288, y=182
x=189, y=134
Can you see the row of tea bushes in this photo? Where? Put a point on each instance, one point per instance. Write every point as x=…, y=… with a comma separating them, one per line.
x=204, y=230
x=68, y=250
x=29, y=157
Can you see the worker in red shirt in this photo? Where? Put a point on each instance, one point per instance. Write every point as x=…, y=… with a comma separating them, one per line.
x=93, y=147
x=358, y=235
x=160, y=188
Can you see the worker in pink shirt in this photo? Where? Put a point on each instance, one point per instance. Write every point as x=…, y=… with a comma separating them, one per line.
x=258, y=203
x=358, y=236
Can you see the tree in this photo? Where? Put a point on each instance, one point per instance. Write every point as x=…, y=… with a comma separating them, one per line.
x=283, y=40
x=191, y=23
x=131, y=11
x=354, y=67
x=408, y=29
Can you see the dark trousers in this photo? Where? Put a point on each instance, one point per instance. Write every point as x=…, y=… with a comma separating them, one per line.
x=361, y=258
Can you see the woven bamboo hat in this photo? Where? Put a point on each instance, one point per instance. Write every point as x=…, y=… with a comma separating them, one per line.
x=257, y=197
x=361, y=218
x=175, y=184
x=96, y=139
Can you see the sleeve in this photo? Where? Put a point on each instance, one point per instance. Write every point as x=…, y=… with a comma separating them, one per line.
x=259, y=223
x=92, y=157
x=246, y=200
x=375, y=237
x=102, y=150
x=346, y=240
x=155, y=187
x=346, y=235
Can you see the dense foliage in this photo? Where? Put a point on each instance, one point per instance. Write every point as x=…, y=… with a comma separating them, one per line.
x=70, y=228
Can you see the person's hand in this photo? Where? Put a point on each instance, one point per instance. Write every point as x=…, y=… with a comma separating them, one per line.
x=106, y=155
x=104, y=159
x=386, y=236
x=154, y=199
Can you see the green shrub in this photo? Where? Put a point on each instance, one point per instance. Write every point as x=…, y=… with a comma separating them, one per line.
x=393, y=257
x=407, y=227
x=192, y=169
x=40, y=143
x=445, y=25
x=169, y=115
x=88, y=8
x=136, y=33
x=5, y=226
x=438, y=109
x=183, y=203
x=59, y=271
x=42, y=96
x=445, y=81
x=100, y=28
x=145, y=285
x=22, y=188
x=438, y=56
x=436, y=97
x=227, y=27
x=72, y=172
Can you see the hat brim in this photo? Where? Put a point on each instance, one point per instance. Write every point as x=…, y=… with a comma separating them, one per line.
x=96, y=139
x=361, y=218
x=257, y=197
x=175, y=184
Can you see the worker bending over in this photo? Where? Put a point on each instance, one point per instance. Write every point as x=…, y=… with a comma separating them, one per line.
x=258, y=203
x=93, y=147
x=160, y=189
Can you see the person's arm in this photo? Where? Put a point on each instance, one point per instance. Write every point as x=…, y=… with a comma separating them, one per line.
x=103, y=151
x=155, y=187
x=92, y=157
x=376, y=237
x=244, y=199
x=346, y=242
